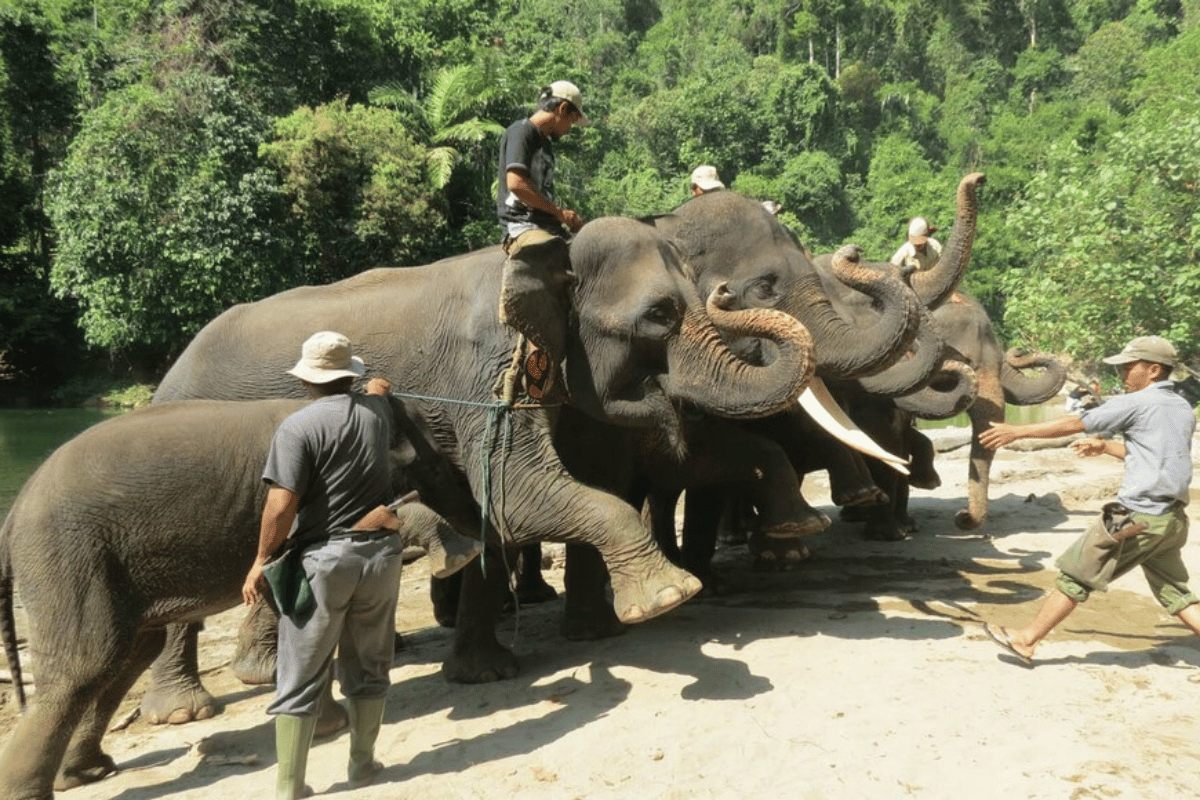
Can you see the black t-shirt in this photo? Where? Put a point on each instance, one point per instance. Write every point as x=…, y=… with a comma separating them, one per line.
x=526, y=148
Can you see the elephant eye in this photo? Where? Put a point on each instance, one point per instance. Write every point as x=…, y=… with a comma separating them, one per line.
x=665, y=313
x=763, y=289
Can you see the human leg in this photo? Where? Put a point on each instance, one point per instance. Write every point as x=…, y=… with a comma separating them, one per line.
x=1023, y=641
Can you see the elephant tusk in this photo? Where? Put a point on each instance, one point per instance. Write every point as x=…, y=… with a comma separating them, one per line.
x=820, y=405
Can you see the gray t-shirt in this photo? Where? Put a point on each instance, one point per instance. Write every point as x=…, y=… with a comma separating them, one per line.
x=334, y=454
x=1157, y=424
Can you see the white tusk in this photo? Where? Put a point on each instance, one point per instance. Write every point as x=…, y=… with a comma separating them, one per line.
x=820, y=405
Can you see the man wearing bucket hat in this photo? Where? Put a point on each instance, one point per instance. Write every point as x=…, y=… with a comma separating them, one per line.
x=536, y=227
x=705, y=180
x=921, y=251
x=328, y=466
x=1147, y=525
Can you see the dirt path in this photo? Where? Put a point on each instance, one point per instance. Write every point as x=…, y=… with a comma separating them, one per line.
x=863, y=674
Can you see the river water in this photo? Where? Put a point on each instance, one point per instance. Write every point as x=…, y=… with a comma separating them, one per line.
x=28, y=436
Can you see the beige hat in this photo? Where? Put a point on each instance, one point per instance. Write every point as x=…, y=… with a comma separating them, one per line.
x=565, y=90
x=919, y=230
x=326, y=357
x=1146, y=348
x=705, y=177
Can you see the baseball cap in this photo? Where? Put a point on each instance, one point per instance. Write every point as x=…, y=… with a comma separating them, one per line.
x=919, y=230
x=1146, y=348
x=565, y=90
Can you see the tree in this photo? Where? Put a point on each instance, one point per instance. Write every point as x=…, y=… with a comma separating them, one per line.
x=164, y=216
x=357, y=186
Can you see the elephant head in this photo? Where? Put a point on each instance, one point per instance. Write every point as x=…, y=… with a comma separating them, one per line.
x=732, y=240
x=642, y=338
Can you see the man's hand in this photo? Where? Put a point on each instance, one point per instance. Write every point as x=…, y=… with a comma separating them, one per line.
x=1091, y=446
x=570, y=219
x=998, y=435
x=252, y=588
x=379, y=386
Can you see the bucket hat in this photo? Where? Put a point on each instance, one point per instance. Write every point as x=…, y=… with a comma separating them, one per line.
x=325, y=357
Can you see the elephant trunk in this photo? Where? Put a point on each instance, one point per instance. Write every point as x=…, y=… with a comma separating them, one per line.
x=1029, y=390
x=987, y=408
x=952, y=390
x=917, y=367
x=935, y=286
x=849, y=347
x=704, y=371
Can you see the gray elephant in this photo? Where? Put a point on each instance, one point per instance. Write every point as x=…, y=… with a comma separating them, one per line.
x=640, y=343
x=144, y=520
x=869, y=323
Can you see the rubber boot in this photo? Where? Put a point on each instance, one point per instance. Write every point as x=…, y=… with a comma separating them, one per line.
x=366, y=718
x=293, y=736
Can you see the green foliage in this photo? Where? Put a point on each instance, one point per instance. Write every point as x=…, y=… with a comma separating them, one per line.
x=357, y=187
x=163, y=216
x=1113, y=241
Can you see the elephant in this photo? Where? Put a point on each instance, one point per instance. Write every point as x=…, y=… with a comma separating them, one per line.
x=141, y=521
x=640, y=343
x=870, y=324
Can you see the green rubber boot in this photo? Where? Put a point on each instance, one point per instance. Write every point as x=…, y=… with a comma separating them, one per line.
x=366, y=718
x=293, y=736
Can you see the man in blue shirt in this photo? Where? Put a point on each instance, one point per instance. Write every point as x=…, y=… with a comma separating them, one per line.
x=1156, y=425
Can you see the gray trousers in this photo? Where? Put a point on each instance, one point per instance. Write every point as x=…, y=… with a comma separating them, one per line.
x=355, y=585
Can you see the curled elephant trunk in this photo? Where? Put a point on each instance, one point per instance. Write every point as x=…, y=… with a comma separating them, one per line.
x=935, y=286
x=854, y=346
x=1029, y=390
x=915, y=369
x=951, y=391
x=704, y=371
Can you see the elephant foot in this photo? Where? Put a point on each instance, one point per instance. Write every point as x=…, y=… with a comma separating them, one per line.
x=637, y=600
x=333, y=718
x=450, y=552
x=964, y=520
x=862, y=496
x=162, y=706
x=254, y=668
x=444, y=596
x=732, y=536
x=589, y=624
x=532, y=589
x=774, y=553
x=924, y=477
x=483, y=664
x=80, y=772
x=890, y=531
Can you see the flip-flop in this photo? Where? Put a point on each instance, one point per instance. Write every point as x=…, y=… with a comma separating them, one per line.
x=1005, y=642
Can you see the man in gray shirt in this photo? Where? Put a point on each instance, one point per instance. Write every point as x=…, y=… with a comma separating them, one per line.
x=1156, y=425
x=327, y=468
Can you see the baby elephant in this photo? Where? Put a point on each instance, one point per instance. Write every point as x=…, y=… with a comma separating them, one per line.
x=144, y=520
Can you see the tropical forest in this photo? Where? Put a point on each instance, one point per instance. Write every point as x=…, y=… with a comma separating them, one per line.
x=163, y=160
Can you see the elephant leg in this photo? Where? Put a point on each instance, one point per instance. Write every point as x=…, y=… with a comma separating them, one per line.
x=588, y=614
x=445, y=593
x=850, y=481
x=922, y=473
x=738, y=518
x=477, y=656
x=176, y=694
x=881, y=523
x=85, y=761
x=531, y=585
x=658, y=513
x=701, y=518
x=258, y=638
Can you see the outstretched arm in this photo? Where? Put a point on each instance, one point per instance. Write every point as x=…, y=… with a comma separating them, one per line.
x=1001, y=433
x=1092, y=446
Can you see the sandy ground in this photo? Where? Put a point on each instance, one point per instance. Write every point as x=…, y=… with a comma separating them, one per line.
x=864, y=674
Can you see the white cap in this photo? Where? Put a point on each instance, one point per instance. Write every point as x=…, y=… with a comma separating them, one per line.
x=326, y=357
x=705, y=176
x=919, y=230
x=565, y=90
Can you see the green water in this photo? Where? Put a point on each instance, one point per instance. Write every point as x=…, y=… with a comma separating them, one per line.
x=1017, y=414
x=27, y=436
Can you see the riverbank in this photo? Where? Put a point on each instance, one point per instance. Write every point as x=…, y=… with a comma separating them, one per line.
x=865, y=673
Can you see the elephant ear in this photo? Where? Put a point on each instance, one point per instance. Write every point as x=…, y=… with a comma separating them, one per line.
x=534, y=294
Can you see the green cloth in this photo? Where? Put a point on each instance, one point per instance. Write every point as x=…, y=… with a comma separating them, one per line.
x=289, y=584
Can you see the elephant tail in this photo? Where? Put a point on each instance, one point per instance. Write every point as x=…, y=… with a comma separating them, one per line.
x=8, y=623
